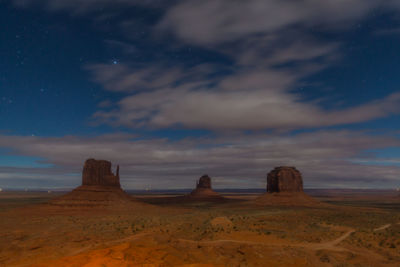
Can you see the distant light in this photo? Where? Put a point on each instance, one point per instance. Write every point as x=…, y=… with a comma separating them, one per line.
x=1, y=189
x=115, y=62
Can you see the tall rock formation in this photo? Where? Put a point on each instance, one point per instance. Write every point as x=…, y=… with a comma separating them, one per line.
x=203, y=190
x=98, y=172
x=100, y=187
x=204, y=182
x=284, y=179
x=285, y=188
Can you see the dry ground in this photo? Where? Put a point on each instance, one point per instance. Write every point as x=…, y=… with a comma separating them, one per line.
x=166, y=232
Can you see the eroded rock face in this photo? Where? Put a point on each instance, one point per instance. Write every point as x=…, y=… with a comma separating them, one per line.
x=100, y=188
x=284, y=179
x=203, y=189
x=98, y=172
x=204, y=182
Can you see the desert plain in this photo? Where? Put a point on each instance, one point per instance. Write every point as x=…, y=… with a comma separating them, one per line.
x=345, y=228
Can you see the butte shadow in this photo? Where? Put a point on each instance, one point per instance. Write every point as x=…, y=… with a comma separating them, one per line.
x=285, y=187
x=100, y=188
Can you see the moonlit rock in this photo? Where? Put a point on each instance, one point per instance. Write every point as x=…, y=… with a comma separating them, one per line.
x=285, y=188
x=284, y=179
x=100, y=187
x=98, y=172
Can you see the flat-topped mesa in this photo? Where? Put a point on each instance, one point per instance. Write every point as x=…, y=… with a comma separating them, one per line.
x=284, y=179
x=98, y=172
x=285, y=188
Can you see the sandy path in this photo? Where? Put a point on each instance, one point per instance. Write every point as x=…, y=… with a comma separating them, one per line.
x=330, y=245
x=383, y=227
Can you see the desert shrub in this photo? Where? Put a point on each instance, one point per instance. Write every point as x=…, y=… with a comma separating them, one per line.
x=324, y=258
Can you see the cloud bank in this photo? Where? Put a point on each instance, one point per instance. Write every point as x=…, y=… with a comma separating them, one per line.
x=326, y=158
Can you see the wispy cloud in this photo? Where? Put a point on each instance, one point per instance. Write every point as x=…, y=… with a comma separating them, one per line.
x=124, y=78
x=251, y=99
x=229, y=21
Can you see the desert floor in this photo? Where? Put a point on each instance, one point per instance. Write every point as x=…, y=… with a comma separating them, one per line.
x=160, y=230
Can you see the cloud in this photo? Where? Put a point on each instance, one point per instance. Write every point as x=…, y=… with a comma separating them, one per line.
x=326, y=158
x=124, y=78
x=217, y=21
x=36, y=178
x=81, y=7
x=254, y=99
x=251, y=94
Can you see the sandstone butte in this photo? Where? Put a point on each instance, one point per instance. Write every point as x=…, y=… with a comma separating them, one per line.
x=284, y=179
x=100, y=187
x=285, y=187
x=204, y=190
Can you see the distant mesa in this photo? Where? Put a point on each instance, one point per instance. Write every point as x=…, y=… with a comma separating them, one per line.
x=204, y=182
x=98, y=172
x=285, y=187
x=204, y=190
x=284, y=179
x=100, y=187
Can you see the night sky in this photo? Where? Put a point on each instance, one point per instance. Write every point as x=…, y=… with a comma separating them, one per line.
x=171, y=90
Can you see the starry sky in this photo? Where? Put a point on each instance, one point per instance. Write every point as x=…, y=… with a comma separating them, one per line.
x=171, y=90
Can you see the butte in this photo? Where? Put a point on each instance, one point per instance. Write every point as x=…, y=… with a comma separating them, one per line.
x=100, y=187
x=204, y=190
x=285, y=187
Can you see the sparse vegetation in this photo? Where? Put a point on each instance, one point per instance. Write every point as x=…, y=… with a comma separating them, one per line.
x=217, y=232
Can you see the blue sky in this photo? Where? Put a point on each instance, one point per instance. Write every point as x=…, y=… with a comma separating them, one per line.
x=174, y=89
